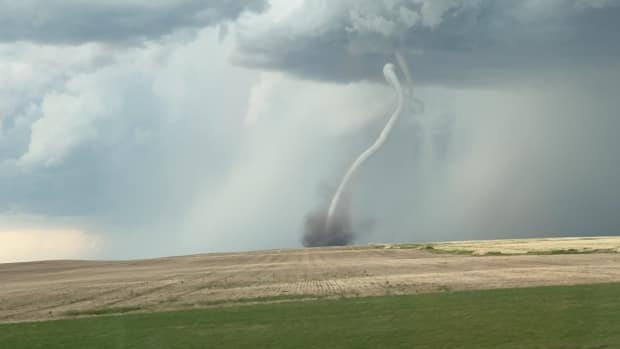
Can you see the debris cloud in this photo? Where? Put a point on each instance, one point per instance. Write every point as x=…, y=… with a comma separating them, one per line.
x=340, y=232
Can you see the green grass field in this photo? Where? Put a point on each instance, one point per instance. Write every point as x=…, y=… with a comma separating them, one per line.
x=548, y=317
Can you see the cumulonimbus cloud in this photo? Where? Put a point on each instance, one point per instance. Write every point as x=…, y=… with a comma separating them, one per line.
x=450, y=41
x=78, y=21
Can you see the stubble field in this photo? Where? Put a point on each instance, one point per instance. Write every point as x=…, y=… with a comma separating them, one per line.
x=57, y=289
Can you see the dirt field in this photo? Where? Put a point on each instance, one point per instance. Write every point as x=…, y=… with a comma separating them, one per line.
x=43, y=290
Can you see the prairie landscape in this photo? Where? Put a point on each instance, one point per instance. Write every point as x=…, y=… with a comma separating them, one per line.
x=59, y=289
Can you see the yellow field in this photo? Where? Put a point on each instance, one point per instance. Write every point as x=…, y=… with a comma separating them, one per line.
x=51, y=289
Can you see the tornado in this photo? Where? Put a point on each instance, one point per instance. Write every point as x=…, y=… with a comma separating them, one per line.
x=392, y=79
x=332, y=225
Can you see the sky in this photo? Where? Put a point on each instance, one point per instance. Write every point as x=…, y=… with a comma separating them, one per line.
x=144, y=128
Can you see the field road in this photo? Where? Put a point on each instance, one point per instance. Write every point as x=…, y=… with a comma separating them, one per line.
x=53, y=289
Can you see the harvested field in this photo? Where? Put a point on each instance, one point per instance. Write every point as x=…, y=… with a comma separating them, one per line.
x=52, y=289
x=534, y=246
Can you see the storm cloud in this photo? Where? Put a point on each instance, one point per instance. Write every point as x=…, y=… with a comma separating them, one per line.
x=448, y=41
x=79, y=21
x=131, y=136
x=519, y=107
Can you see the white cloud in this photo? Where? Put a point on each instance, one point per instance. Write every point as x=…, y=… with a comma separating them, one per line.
x=28, y=71
x=170, y=75
x=67, y=121
x=432, y=12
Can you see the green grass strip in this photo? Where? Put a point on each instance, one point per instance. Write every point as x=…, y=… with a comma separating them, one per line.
x=586, y=316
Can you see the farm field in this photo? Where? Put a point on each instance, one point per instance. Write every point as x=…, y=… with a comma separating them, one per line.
x=584, y=316
x=59, y=289
x=534, y=246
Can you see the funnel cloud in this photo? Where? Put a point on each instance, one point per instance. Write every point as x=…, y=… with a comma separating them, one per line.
x=392, y=79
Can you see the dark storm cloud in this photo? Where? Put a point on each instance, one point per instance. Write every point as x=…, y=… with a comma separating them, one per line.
x=150, y=148
x=77, y=21
x=447, y=41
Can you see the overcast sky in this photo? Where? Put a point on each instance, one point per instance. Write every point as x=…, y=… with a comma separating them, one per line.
x=141, y=128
